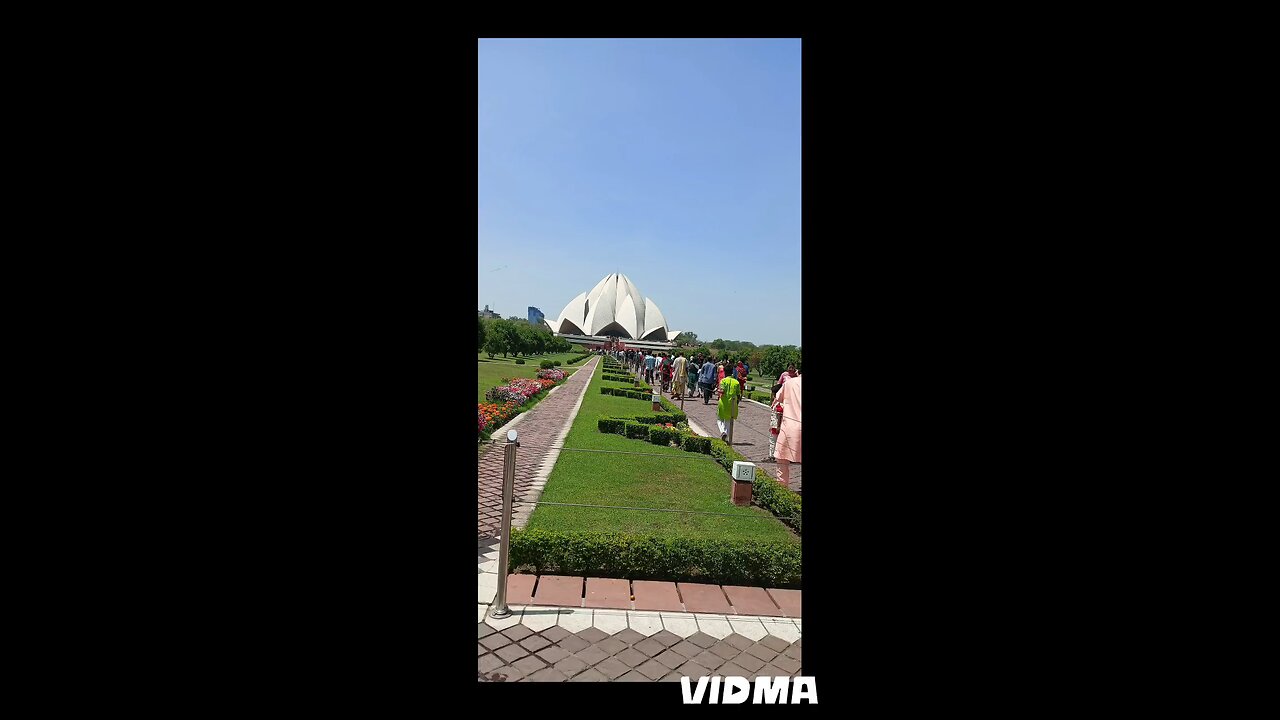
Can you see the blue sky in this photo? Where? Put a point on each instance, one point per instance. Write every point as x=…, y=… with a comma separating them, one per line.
x=675, y=162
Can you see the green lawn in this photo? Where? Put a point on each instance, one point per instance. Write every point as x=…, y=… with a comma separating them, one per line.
x=492, y=371
x=675, y=480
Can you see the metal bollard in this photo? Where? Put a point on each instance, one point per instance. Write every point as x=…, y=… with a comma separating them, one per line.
x=499, y=608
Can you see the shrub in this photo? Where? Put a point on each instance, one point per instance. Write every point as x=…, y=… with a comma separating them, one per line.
x=760, y=397
x=769, y=494
x=546, y=364
x=637, y=431
x=612, y=426
x=650, y=557
x=519, y=361
x=662, y=435
x=557, y=363
x=698, y=444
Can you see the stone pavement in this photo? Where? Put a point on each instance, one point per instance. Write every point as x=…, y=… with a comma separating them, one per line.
x=556, y=654
x=545, y=425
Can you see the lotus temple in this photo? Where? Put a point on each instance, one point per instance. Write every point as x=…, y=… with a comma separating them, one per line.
x=614, y=311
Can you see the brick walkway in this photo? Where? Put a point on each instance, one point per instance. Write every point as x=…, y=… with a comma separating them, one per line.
x=556, y=654
x=543, y=426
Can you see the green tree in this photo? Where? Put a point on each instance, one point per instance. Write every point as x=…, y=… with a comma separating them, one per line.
x=502, y=338
x=480, y=342
x=525, y=338
x=687, y=338
x=776, y=359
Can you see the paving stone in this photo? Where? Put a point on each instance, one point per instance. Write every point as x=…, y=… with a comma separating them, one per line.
x=788, y=665
x=751, y=601
x=788, y=600
x=775, y=644
x=702, y=598
x=748, y=627
x=495, y=641
x=730, y=670
x=555, y=633
x=716, y=627
x=761, y=652
x=553, y=654
x=610, y=622
x=489, y=663
x=702, y=640
x=559, y=590
x=571, y=666
x=738, y=641
x=666, y=638
x=593, y=634
x=612, y=668
x=686, y=649
x=520, y=589
x=538, y=619
x=506, y=674
x=547, y=675
x=534, y=643
x=608, y=593
x=633, y=676
x=785, y=631
x=529, y=665
x=611, y=646
x=671, y=660
x=693, y=670
x=673, y=677
x=749, y=662
x=653, y=669
x=511, y=653
x=573, y=643
x=793, y=651
x=708, y=660
x=484, y=631
x=725, y=650
x=770, y=671
x=517, y=632
x=629, y=636
x=632, y=657
x=574, y=619
x=591, y=655
x=480, y=649
x=652, y=595
x=682, y=626
x=646, y=623
x=649, y=647
x=590, y=675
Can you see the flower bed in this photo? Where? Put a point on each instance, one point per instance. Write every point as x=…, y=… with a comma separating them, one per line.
x=505, y=401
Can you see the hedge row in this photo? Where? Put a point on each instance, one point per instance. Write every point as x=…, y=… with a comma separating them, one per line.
x=626, y=392
x=649, y=557
x=760, y=397
x=578, y=359
x=617, y=378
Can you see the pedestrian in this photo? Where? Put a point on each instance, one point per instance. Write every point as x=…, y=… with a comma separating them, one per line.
x=728, y=408
x=649, y=362
x=679, y=375
x=775, y=422
x=740, y=372
x=667, y=367
x=706, y=380
x=692, y=370
x=786, y=375
x=789, y=433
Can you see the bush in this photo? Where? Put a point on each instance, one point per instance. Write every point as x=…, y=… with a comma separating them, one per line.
x=612, y=426
x=519, y=361
x=637, y=431
x=698, y=444
x=760, y=397
x=650, y=557
x=769, y=494
x=659, y=435
x=546, y=364
x=557, y=363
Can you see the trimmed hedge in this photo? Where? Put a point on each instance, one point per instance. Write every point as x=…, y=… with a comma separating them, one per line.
x=780, y=501
x=659, y=435
x=635, y=430
x=557, y=363
x=650, y=557
x=624, y=392
x=579, y=359
x=697, y=444
x=760, y=397
x=546, y=364
x=519, y=361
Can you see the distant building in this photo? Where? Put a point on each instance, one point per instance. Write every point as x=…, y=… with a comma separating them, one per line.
x=535, y=316
x=488, y=314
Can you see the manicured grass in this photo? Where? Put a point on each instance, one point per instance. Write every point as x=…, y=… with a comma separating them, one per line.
x=674, y=480
x=491, y=372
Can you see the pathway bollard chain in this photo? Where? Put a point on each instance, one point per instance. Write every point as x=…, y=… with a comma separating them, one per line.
x=500, y=609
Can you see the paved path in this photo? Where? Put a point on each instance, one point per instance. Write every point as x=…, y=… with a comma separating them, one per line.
x=543, y=426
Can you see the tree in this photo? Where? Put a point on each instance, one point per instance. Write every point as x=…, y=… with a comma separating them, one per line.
x=718, y=344
x=754, y=358
x=502, y=338
x=480, y=341
x=525, y=338
x=776, y=359
x=688, y=338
